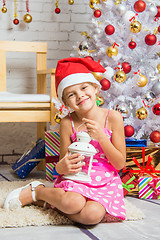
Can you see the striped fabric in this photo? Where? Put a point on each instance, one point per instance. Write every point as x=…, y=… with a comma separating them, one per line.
x=52, y=145
x=146, y=191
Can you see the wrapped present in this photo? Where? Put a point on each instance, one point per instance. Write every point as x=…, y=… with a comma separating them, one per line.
x=52, y=145
x=149, y=188
x=131, y=142
x=136, y=152
x=129, y=182
x=30, y=158
x=146, y=168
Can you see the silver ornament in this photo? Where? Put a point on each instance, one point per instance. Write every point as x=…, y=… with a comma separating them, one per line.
x=156, y=88
x=123, y=109
x=121, y=9
x=83, y=46
x=149, y=97
x=152, y=10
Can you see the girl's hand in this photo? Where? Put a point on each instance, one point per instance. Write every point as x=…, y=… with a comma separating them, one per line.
x=94, y=129
x=70, y=164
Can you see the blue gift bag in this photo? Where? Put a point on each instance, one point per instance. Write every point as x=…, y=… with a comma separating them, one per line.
x=30, y=159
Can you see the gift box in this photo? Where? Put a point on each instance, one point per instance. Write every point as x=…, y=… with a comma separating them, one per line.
x=137, y=153
x=136, y=143
x=129, y=182
x=52, y=145
x=30, y=158
x=149, y=188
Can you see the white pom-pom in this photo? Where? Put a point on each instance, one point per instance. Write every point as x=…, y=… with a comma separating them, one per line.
x=108, y=73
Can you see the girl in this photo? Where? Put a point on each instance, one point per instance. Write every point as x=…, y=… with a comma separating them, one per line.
x=101, y=199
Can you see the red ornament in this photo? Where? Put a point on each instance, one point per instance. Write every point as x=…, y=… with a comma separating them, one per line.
x=150, y=39
x=16, y=21
x=139, y=6
x=129, y=130
x=105, y=83
x=132, y=44
x=156, y=109
x=97, y=13
x=155, y=136
x=158, y=11
x=159, y=29
x=126, y=67
x=57, y=10
x=109, y=29
x=89, y=57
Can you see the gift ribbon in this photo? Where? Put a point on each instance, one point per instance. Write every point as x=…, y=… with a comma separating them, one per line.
x=128, y=186
x=52, y=159
x=153, y=184
x=30, y=160
x=148, y=169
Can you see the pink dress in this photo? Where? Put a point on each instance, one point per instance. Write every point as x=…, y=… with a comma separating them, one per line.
x=105, y=187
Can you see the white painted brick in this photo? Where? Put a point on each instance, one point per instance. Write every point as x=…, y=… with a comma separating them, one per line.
x=60, y=31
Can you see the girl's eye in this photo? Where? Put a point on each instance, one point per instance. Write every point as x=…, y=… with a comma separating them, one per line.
x=84, y=87
x=71, y=95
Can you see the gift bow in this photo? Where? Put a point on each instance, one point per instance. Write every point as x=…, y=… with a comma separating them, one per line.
x=149, y=168
x=128, y=186
x=153, y=184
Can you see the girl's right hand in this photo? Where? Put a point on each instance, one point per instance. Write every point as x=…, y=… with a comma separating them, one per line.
x=70, y=164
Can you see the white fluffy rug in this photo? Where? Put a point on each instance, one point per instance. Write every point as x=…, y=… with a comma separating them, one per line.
x=36, y=216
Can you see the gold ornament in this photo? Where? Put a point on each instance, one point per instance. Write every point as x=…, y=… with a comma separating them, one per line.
x=135, y=27
x=4, y=9
x=112, y=51
x=142, y=81
x=98, y=75
x=158, y=67
x=57, y=119
x=71, y=2
x=27, y=18
x=141, y=113
x=120, y=76
x=92, y=2
x=99, y=100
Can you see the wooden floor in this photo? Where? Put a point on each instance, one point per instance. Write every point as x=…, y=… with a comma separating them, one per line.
x=146, y=229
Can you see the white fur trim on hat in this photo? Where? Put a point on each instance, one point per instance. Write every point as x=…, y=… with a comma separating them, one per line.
x=74, y=79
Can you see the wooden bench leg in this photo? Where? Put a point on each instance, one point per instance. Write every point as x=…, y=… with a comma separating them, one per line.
x=41, y=129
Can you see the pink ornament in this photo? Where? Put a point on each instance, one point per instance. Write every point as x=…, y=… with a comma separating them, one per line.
x=109, y=29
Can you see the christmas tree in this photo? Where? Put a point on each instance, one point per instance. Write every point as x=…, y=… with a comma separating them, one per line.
x=124, y=35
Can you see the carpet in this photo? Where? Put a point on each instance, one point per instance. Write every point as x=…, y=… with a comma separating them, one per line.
x=37, y=216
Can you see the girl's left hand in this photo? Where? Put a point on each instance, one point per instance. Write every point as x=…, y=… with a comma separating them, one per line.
x=94, y=129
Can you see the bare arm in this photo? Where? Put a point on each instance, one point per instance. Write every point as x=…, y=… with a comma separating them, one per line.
x=115, y=150
x=68, y=164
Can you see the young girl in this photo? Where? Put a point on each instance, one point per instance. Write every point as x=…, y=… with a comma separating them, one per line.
x=101, y=199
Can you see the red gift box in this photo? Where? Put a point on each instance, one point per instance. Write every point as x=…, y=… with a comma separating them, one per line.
x=129, y=181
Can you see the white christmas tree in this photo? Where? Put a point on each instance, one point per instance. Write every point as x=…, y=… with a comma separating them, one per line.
x=124, y=36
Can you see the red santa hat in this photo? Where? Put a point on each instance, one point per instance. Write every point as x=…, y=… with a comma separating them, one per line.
x=74, y=70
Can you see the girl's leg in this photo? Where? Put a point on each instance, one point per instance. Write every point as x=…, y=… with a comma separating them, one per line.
x=66, y=202
x=92, y=213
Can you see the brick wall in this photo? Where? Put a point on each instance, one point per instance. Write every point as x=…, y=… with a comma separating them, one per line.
x=60, y=31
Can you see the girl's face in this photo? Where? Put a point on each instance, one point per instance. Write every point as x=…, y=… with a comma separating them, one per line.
x=80, y=96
